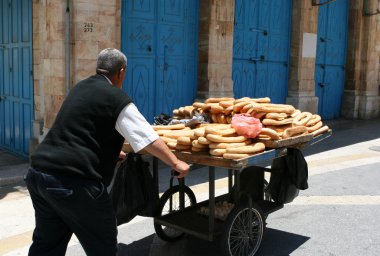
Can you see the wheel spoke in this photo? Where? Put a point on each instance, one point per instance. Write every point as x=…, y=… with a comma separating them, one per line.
x=242, y=239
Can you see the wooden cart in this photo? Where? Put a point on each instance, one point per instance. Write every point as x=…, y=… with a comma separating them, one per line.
x=242, y=230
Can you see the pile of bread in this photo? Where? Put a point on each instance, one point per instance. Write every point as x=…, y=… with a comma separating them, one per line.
x=279, y=121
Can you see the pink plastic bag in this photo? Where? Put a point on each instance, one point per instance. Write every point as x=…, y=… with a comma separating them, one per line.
x=246, y=125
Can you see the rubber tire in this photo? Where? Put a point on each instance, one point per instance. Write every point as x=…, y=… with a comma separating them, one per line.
x=163, y=200
x=241, y=208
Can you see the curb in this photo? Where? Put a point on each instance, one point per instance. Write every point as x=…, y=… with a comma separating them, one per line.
x=13, y=174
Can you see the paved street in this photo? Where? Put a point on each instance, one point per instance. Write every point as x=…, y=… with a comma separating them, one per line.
x=337, y=215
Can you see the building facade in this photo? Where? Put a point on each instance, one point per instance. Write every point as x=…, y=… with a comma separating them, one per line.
x=318, y=55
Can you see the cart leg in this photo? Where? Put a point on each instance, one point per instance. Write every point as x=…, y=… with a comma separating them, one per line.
x=237, y=185
x=229, y=181
x=181, y=183
x=211, y=203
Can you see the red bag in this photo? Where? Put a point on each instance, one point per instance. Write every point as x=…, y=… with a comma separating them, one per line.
x=246, y=125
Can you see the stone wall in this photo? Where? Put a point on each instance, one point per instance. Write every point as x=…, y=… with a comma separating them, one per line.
x=216, y=22
x=362, y=91
x=93, y=26
x=301, y=89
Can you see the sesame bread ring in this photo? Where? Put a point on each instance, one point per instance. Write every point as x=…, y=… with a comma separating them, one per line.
x=229, y=110
x=273, y=108
x=314, y=127
x=167, y=140
x=261, y=100
x=194, y=149
x=302, y=119
x=218, y=131
x=276, y=116
x=219, y=138
x=277, y=122
x=184, y=140
x=217, y=100
x=207, y=106
x=179, y=133
x=279, y=128
x=221, y=118
x=214, y=118
x=200, y=132
x=217, y=151
x=168, y=127
x=246, y=108
x=203, y=140
x=242, y=99
x=259, y=115
x=223, y=145
x=314, y=120
x=189, y=111
x=162, y=132
x=198, y=105
x=172, y=145
x=240, y=105
x=320, y=130
x=296, y=113
x=235, y=156
x=226, y=103
x=182, y=147
x=294, y=131
x=175, y=112
x=196, y=144
x=271, y=133
x=216, y=109
x=251, y=149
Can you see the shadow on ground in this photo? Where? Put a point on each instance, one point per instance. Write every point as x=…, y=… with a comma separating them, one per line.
x=137, y=248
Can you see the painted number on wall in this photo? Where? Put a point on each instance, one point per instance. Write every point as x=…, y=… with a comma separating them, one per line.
x=88, y=27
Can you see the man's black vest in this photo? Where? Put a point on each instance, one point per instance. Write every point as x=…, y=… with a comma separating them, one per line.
x=83, y=139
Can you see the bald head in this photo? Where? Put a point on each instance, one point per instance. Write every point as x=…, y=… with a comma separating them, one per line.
x=110, y=61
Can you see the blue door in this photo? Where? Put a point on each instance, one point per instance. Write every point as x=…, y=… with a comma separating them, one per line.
x=16, y=76
x=159, y=38
x=331, y=57
x=261, y=48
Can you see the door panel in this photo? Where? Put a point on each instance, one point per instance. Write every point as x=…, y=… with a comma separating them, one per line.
x=331, y=57
x=140, y=77
x=165, y=45
x=16, y=81
x=262, y=41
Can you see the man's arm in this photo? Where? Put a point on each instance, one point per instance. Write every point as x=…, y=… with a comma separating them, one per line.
x=159, y=149
x=140, y=135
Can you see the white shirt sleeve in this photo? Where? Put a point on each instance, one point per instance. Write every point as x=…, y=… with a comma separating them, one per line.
x=132, y=125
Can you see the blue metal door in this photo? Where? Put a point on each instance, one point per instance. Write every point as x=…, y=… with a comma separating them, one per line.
x=261, y=48
x=16, y=76
x=331, y=57
x=160, y=41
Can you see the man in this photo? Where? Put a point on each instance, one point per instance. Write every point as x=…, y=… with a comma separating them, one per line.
x=74, y=164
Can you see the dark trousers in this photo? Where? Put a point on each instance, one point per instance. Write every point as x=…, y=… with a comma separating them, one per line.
x=69, y=204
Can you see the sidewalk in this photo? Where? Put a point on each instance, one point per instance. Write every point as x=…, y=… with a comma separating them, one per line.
x=12, y=168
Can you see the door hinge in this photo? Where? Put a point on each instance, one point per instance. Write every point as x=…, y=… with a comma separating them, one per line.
x=10, y=70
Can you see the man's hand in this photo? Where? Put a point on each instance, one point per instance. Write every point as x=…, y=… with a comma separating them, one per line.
x=181, y=168
x=122, y=156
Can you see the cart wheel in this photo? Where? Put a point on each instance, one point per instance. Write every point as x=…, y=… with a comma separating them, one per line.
x=237, y=238
x=169, y=202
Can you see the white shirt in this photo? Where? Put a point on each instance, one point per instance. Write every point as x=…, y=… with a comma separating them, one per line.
x=132, y=125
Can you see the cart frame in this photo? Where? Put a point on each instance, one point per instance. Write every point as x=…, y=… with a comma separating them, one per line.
x=189, y=221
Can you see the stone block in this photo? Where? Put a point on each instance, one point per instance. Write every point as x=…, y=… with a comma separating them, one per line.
x=86, y=50
x=303, y=103
x=55, y=49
